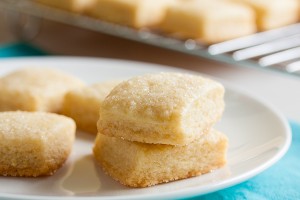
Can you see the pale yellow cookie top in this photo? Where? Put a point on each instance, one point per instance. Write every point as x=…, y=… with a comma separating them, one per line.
x=158, y=96
x=135, y=3
x=267, y=4
x=34, y=125
x=206, y=8
x=97, y=90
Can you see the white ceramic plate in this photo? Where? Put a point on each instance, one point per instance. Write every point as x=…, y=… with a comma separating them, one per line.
x=258, y=137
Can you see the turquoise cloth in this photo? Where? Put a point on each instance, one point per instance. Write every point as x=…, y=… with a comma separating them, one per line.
x=19, y=49
x=281, y=181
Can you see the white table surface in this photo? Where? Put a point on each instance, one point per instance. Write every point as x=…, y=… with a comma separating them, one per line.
x=282, y=91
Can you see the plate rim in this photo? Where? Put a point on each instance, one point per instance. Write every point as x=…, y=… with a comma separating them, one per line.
x=189, y=192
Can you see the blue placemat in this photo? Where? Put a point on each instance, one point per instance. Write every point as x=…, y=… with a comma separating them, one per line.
x=281, y=181
x=20, y=49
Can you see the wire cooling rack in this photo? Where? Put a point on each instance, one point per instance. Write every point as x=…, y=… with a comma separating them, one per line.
x=277, y=50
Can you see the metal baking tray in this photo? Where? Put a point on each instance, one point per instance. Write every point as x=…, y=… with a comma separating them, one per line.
x=277, y=50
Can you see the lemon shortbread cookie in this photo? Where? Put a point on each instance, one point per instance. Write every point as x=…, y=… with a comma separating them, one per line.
x=34, y=143
x=210, y=21
x=135, y=13
x=35, y=89
x=164, y=108
x=140, y=165
x=83, y=104
x=78, y=6
x=274, y=13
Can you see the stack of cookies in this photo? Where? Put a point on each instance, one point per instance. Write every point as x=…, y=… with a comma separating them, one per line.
x=158, y=128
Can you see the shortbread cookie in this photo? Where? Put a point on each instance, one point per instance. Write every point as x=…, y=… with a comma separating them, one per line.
x=34, y=143
x=83, y=104
x=135, y=13
x=210, y=21
x=79, y=6
x=140, y=165
x=164, y=108
x=274, y=13
x=35, y=89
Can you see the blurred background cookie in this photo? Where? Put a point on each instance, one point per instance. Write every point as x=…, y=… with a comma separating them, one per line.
x=273, y=13
x=78, y=6
x=35, y=89
x=135, y=13
x=210, y=21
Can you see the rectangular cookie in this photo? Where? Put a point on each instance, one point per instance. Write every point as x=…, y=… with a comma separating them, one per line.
x=34, y=143
x=78, y=6
x=134, y=13
x=210, y=21
x=274, y=13
x=35, y=89
x=163, y=108
x=83, y=105
x=137, y=164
